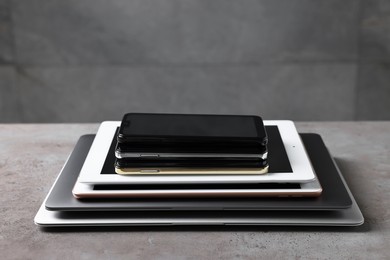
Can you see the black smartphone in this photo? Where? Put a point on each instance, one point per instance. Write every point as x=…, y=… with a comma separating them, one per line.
x=213, y=152
x=192, y=130
x=197, y=163
x=190, y=167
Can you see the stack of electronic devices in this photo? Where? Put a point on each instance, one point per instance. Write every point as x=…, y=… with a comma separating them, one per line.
x=172, y=169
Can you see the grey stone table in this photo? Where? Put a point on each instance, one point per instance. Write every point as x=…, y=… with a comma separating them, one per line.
x=31, y=156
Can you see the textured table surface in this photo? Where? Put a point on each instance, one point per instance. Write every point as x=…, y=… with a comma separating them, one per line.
x=31, y=156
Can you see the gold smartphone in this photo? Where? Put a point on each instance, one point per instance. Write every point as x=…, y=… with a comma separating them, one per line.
x=191, y=171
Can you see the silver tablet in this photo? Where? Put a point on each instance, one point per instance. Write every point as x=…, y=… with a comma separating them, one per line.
x=309, y=189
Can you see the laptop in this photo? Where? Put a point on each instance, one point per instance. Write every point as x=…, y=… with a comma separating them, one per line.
x=291, y=211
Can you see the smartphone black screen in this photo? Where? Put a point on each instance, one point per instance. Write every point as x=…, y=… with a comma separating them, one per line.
x=170, y=127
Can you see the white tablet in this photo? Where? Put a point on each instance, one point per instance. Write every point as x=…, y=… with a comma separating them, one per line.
x=300, y=169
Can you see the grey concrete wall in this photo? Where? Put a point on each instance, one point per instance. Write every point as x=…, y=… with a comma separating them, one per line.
x=94, y=60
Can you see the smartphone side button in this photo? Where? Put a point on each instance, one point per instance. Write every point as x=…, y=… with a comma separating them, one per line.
x=149, y=155
x=150, y=171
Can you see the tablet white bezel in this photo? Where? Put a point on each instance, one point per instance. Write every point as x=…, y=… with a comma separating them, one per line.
x=302, y=170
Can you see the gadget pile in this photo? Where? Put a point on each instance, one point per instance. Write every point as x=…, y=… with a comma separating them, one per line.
x=164, y=169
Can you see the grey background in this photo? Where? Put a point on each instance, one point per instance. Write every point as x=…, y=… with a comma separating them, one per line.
x=94, y=60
